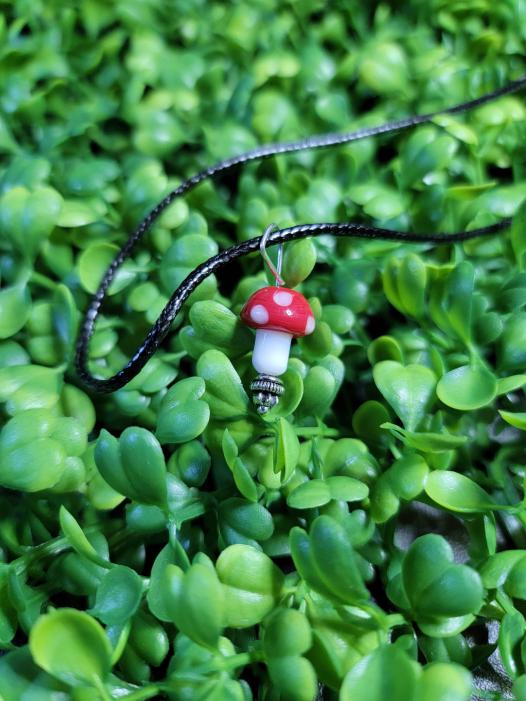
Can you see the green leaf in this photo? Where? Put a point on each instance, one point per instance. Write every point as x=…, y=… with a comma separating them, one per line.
x=291, y=397
x=224, y=391
x=386, y=668
x=309, y=495
x=218, y=326
x=424, y=441
x=347, y=488
x=182, y=415
x=298, y=262
x=405, y=282
x=93, y=263
x=143, y=464
x=252, y=585
x=71, y=646
x=511, y=347
x=515, y=585
x=65, y=317
x=407, y=476
x=435, y=586
x=510, y=384
x=516, y=419
x=243, y=521
x=384, y=348
x=511, y=635
x=33, y=467
x=244, y=482
x=467, y=387
x=335, y=560
x=77, y=539
x=198, y=605
x=409, y=390
x=457, y=492
x=443, y=680
x=157, y=596
x=303, y=557
x=20, y=676
x=15, y=303
x=29, y=387
x=191, y=462
x=319, y=388
x=294, y=676
x=126, y=462
x=288, y=632
x=27, y=218
x=518, y=237
x=496, y=569
x=451, y=300
x=230, y=449
x=242, y=477
x=286, y=449
x=80, y=212
x=118, y=596
x=108, y=459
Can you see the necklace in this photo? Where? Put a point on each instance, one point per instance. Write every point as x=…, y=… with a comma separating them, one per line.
x=278, y=236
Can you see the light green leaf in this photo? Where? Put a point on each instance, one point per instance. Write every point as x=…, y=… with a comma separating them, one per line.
x=457, y=492
x=409, y=390
x=71, y=646
x=467, y=387
x=252, y=585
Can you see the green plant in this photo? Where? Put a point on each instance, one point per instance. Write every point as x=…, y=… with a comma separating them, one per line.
x=166, y=541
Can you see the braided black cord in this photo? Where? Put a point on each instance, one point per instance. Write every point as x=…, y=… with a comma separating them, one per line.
x=161, y=327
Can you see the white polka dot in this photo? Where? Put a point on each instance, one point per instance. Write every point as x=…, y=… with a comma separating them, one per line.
x=309, y=326
x=283, y=298
x=259, y=314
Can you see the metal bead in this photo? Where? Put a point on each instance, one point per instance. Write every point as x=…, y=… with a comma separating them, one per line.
x=266, y=391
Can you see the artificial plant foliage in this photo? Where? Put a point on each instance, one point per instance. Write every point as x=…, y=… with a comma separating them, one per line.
x=365, y=539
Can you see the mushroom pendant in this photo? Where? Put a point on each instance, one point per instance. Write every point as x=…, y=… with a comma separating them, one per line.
x=278, y=314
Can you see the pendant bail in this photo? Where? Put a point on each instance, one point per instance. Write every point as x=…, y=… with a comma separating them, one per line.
x=276, y=271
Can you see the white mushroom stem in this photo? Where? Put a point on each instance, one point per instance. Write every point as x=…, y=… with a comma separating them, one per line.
x=271, y=352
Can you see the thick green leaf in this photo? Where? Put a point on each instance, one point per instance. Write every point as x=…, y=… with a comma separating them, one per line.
x=288, y=632
x=468, y=387
x=143, y=464
x=183, y=416
x=294, y=676
x=77, y=538
x=457, y=492
x=118, y=596
x=224, y=392
x=15, y=304
x=425, y=441
x=386, y=668
x=252, y=584
x=511, y=635
x=335, y=560
x=443, y=680
x=71, y=646
x=286, y=449
x=409, y=390
x=496, y=569
x=514, y=418
x=198, y=606
x=435, y=586
x=309, y=495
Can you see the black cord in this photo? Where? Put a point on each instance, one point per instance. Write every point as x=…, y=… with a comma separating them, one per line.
x=349, y=229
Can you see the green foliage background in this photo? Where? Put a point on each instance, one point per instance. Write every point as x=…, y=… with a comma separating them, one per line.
x=165, y=541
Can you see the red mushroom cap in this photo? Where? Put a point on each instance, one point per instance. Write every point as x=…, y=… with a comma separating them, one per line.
x=279, y=309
